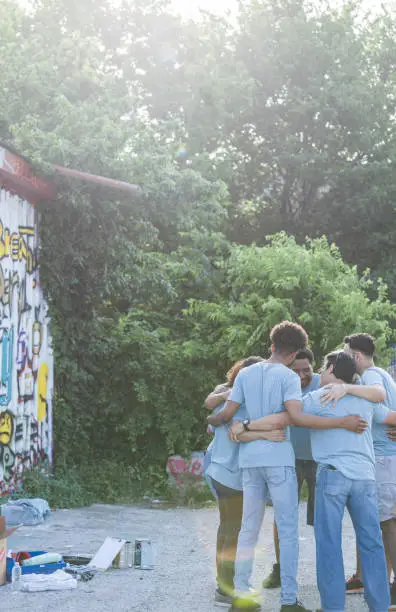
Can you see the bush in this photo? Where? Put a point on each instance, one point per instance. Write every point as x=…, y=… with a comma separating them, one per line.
x=138, y=387
x=109, y=483
x=308, y=283
x=75, y=486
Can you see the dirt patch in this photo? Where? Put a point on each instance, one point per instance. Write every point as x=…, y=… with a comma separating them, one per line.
x=184, y=576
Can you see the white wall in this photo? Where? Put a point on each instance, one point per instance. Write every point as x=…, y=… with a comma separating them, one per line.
x=26, y=356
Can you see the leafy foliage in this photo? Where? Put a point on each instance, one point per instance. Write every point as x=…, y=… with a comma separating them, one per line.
x=308, y=283
x=283, y=121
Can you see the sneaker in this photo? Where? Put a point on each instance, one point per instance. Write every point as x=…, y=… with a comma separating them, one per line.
x=354, y=585
x=246, y=601
x=222, y=599
x=273, y=581
x=296, y=607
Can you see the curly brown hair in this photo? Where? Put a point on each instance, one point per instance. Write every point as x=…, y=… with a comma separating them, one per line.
x=288, y=337
x=238, y=366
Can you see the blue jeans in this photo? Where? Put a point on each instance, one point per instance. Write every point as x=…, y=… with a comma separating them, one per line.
x=281, y=484
x=334, y=492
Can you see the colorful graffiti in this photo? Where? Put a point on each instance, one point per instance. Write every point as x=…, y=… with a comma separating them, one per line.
x=26, y=361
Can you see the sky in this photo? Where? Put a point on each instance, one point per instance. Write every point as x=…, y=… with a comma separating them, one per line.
x=190, y=8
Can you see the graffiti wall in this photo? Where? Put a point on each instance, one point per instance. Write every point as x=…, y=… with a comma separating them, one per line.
x=26, y=361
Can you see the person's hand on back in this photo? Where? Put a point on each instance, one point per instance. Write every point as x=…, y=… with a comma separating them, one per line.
x=332, y=393
x=355, y=423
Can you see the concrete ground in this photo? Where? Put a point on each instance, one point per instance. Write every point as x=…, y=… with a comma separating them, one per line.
x=183, y=579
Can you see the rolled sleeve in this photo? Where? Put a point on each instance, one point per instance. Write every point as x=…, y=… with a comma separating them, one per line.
x=309, y=405
x=372, y=377
x=380, y=412
x=237, y=394
x=292, y=388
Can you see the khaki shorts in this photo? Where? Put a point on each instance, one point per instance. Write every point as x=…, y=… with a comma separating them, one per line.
x=385, y=475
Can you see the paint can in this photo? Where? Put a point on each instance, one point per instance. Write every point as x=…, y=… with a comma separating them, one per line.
x=129, y=553
x=124, y=559
x=144, y=558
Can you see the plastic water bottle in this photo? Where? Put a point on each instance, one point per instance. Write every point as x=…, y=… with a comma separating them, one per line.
x=16, y=577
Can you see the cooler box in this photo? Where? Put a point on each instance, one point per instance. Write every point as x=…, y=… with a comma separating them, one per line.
x=46, y=568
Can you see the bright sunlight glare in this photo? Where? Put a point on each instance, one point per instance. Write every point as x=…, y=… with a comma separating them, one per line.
x=191, y=8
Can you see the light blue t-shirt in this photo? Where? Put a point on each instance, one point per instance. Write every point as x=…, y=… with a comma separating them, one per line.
x=224, y=455
x=377, y=376
x=350, y=453
x=300, y=437
x=263, y=388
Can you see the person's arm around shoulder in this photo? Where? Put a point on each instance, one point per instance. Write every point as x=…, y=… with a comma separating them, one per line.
x=234, y=401
x=372, y=389
x=384, y=416
x=217, y=397
x=310, y=417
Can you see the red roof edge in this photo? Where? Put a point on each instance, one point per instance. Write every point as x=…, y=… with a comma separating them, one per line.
x=17, y=177
x=97, y=180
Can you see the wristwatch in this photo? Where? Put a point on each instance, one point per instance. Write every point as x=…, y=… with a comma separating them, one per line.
x=245, y=424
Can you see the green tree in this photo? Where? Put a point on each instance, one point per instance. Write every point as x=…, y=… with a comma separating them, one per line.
x=293, y=107
x=282, y=121
x=309, y=283
x=115, y=269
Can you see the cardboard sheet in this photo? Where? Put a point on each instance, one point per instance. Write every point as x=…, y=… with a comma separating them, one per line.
x=106, y=554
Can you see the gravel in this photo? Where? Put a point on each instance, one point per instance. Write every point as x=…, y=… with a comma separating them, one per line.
x=184, y=576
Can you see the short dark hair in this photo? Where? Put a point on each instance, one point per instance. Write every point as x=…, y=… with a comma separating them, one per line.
x=288, y=337
x=306, y=353
x=251, y=361
x=364, y=343
x=238, y=366
x=344, y=366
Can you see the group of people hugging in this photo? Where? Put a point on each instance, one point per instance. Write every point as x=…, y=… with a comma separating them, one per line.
x=276, y=424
